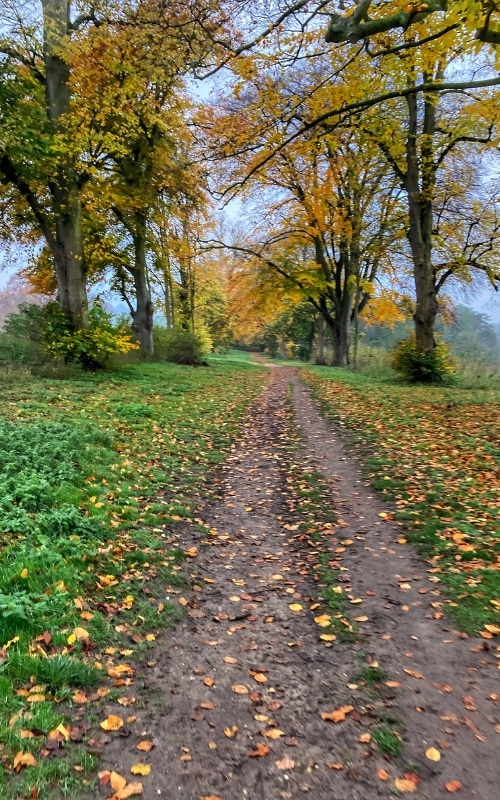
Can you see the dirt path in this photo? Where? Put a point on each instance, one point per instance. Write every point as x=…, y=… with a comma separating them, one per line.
x=237, y=691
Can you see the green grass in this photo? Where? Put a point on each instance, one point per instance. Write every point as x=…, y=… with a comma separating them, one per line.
x=434, y=453
x=96, y=472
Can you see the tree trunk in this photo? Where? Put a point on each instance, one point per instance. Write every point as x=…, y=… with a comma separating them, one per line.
x=321, y=342
x=67, y=247
x=143, y=314
x=420, y=227
x=341, y=337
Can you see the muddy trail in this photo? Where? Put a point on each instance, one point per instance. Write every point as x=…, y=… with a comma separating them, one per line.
x=234, y=701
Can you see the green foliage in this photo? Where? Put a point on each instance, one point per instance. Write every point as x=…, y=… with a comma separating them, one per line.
x=418, y=366
x=179, y=347
x=90, y=347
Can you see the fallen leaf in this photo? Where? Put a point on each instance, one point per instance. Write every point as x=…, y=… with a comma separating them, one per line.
x=383, y=775
x=337, y=715
x=208, y=706
x=140, y=769
x=335, y=765
x=285, y=763
x=414, y=673
x=231, y=732
x=260, y=677
x=112, y=723
x=273, y=733
x=130, y=790
x=443, y=687
x=239, y=688
x=23, y=760
x=404, y=785
x=117, y=782
x=209, y=681
x=432, y=754
x=145, y=746
x=453, y=786
x=230, y=660
x=212, y=745
x=295, y=607
x=260, y=749
x=365, y=738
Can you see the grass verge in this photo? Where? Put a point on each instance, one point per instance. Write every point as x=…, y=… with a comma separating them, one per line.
x=95, y=472
x=434, y=453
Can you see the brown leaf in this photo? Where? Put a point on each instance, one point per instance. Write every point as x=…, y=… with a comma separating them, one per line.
x=468, y=702
x=414, y=673
x=443, y=687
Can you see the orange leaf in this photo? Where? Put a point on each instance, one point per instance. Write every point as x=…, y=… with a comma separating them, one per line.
x=260, y=677
x=239, y=688
x=130, y=790
x=261, y=749
x=453, y=786
x=231, y=732
x=117, y=781
x=112, y=723
x=383, y=775
x=23, y=760
x=145, y=746
x=337, y=715
x=209, y=681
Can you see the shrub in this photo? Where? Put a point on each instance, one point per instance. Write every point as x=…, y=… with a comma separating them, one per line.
x=179, y=347
x=419, y=366
x=49, y=326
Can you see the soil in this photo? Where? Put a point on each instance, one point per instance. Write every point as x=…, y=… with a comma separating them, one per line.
x=243, y=663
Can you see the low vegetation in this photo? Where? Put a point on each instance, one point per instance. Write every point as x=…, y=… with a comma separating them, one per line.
x=433, y=453
x=95, y=473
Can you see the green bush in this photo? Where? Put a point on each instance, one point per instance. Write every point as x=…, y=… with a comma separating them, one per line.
x=36, y=332
x=178, y=347
x=419, y=366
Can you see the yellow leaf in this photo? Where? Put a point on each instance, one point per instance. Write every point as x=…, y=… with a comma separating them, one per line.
x=71, y=638
x=432, y=754
x=260, y=678
x=323, y=621
x=112, y=723
x=140, y=769
x=337, y=589
x=404, y=785
x=273, y=733
x=230, y=732
x=327, y=637
x=24, y=573
x=295, y=607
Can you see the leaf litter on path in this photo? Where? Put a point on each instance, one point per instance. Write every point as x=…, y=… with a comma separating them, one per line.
x=356, y=678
